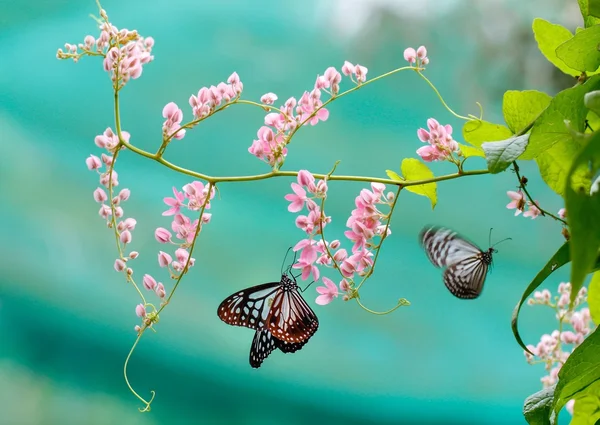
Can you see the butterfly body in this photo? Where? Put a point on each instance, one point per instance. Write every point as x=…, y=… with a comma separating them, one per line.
x=465, y=264
x=277, y=312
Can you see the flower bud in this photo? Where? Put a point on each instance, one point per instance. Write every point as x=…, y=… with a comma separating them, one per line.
x=119, y=265
x=140, y=310
x=149, y=282
x=162, y=235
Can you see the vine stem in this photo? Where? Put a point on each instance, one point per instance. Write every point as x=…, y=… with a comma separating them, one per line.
x=401, y=302
x=523, y=187
x=147, y=403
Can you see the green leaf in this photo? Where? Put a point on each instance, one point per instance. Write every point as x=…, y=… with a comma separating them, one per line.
x=591, y=101
x=581, y=369
x=590, y=10
x=549, y=37
x=393, y=175
x=581, y=51
x=521, y=108
x=585, y=208
x=555, y=164
x=538, y=407
x=469, y=151
x=500, y=155
x=586, y=410
x=559, y=259
x=593, y=298
x=413, y=169
x=477, y=132
x=550, y=127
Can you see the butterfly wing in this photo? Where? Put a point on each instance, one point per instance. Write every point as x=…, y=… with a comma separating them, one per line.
x=290, y=347
x=445, y=247
x=291, y=319
x=248, y=307
x=465, y=279
x=263, y=344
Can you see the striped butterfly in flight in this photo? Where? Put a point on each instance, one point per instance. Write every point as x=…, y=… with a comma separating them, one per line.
x=466, y=265
x=276, y=311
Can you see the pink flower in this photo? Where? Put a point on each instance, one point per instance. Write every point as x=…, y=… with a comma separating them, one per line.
x=124, y=194
x=421, y=52
x=268, y=98
x=410, y=55
x=533, y=210
x=100, y=195
x=333, y=79
x=361, y=73
x=149, y=282
x=306, y=261
x=517, y=201
x=175, y=203
x=164, y=259
x=196, y=194
x=173, y=116
x=347, y=68
x=306, y=179
x=562, y=213
x=125, y=237
x=439, y=137
x=162, y=235
x=160, y=290
x=328, y=292
x=184, y=228
x=297, y=198
x=93, y=162
x=182, y=259
x=140, y=310
x=119, y=265
x=234, y=80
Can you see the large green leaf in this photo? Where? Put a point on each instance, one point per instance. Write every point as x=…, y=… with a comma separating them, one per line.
x=537, y=408
x=550, y=128
x=593, y=298
x=413, y=169
x=500, y=155
x=549, y=37
x=555, y=164
x=587, y=406
x=477, y=132
x=581, y=369
x=521, y=108
x=591, y=100
x=584, y=208
x=559, y=259
x=590, y=10
x=469, y=151
x=581, y=51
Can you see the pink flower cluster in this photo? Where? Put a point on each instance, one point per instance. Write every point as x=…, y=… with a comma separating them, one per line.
x=417, y=57
x=440, y=145
x=172, y=124
x=551, y=350
x=364, y=223
x=518, y=203
x=273, y=137
x=209, y=98
x=109, y=180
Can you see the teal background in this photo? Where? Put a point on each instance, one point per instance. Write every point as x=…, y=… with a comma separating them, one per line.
x=66, y=318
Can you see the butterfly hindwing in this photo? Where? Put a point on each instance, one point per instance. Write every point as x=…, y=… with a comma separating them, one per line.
x=263, y=344
x=248, y=307
x=445, y=247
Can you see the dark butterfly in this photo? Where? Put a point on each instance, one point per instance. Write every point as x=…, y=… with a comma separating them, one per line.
x=281, y=317
x=466, y=264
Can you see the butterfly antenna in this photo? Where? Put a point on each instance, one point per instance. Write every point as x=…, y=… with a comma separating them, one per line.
x=507, y=239
x=285, y=258
x=490, y=237
x=307, y=286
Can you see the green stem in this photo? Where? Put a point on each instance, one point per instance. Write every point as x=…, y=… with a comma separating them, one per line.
x=401, y=302
x=147, y=403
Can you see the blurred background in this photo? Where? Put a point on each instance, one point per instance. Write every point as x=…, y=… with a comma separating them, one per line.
x=66, y=318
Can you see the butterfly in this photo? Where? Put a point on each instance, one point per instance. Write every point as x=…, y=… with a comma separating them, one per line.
x=277, y=312
x=466, y=265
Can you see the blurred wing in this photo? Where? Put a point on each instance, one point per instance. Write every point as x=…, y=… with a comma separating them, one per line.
x=465, y=279
x=445, y=247
x=263, y=344
x=248, y=307
x=291, y=319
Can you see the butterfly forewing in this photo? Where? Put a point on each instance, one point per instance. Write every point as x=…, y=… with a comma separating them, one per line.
x=248, y=307
x=444, y=246
x=291, y=319
x=466, y=264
